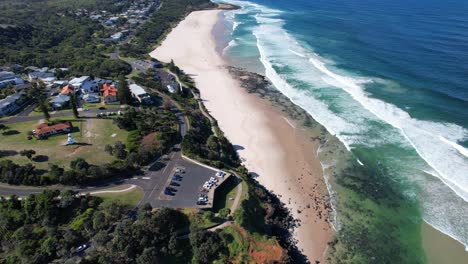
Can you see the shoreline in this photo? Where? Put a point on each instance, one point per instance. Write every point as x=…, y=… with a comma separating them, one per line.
x=269, y=144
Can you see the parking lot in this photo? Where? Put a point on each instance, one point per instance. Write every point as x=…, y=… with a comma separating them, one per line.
x=185, y=191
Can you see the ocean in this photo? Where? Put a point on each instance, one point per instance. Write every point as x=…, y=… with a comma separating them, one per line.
x=388, y=78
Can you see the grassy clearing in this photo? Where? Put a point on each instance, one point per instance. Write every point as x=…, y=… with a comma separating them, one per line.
x=130, y=198
x=225, y=194
x=91, y=136
x=200, y=220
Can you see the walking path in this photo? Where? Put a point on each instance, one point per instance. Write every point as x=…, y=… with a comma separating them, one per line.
x=200, y=105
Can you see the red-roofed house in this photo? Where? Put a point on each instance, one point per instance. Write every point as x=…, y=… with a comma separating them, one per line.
x=68, y=89
x=109, y=92
x=45, y=130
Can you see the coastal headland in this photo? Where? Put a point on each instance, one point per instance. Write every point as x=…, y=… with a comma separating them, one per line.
x=274, y=148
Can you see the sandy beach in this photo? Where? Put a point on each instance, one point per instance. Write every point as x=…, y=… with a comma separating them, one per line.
x=271, y=145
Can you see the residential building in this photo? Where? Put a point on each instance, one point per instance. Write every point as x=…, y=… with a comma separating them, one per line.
x=91, y=98
x=60, y=101
x=139, y=93
x=117, y=36
x=90, y=86
x=109, y=93
x=78, y=82
x=39, y=75
x=45, y=130
x=9, y=104
x=7, y=78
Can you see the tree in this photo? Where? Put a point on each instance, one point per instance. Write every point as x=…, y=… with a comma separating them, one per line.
x=119, y=150
x=79, y=164
x=124, y=94
x=207, y=246
x=109, y=149
x=29, y=153
x=44, y=109
x=223, y=213
x=73, y=106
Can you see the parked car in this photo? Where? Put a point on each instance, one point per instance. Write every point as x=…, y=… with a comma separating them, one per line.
x=176, y=178
x=173, y=183
x=81, y=248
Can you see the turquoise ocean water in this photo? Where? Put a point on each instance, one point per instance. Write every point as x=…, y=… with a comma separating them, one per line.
x=388, y=78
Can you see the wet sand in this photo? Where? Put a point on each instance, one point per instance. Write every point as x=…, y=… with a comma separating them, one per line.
x=440, y=248
x=274, y=148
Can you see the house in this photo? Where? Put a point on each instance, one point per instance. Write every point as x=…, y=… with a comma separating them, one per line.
x=139, y=93
x=78, y=82
x=109, y=92
x=89, y=86
x=85, y=84
x=45, y=130
x=117, y=36
x=91, y=98
x=7, y=78
x=39, y=75
x=9, y=104
x=60, y=101
x=68, y=89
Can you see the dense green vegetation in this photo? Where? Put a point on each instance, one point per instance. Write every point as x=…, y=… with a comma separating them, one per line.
x=52, y=225
x=48, y=33
x=171, y=12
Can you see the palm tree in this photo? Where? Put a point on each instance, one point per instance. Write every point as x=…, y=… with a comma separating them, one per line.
x=73, y=106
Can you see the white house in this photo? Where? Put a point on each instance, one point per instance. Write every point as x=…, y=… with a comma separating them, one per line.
x=77, y=82
x=139, y=93
x=85, y=84
x=91, y=98
x=39, y=75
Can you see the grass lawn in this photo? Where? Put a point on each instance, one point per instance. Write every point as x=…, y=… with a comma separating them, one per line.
x=92, y=105
x=91, y=136
x=131, y=197
x=224, y=193
x=198, y=220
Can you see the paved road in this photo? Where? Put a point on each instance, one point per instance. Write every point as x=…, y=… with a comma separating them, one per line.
x=27, y=110
x=89, y=113
x=152, y=182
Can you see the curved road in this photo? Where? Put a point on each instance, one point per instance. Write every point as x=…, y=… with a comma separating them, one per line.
x=145, y=181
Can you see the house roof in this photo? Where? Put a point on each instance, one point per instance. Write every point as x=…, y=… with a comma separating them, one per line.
x=136, y=89
x=40, y=75
x=9, y=100
x=109, y=90
x=45, y=128
x=68, y=89
x=60, y=99
x=79, y=80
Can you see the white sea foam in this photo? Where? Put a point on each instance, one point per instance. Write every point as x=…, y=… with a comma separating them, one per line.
x=448, y=161
x=460, y=149
x=351, y=117
x=230, y=45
